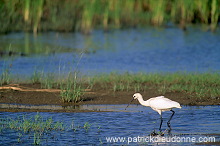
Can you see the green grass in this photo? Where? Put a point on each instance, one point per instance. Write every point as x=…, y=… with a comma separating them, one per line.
x=198, y=84
x=73, y=86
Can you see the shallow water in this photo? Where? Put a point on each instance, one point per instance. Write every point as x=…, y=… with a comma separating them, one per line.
x=129, y=50
x=84, y=108
x=190, y=121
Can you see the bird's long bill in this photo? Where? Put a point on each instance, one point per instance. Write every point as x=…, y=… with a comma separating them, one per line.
x=129, y=103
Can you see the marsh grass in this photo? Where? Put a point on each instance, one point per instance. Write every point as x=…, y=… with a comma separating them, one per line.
x=36, y=77
x=32, y=124
x=36, y=139
x=87, y=126
x=73, y=86
x=5, y=77
x=48, y=81
x=39, y=130
x=195, y=84
x=35, y=126
x=72, y=90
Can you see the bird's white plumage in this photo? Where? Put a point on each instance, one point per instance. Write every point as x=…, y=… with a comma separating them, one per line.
x=158, y=104
x=162, y=103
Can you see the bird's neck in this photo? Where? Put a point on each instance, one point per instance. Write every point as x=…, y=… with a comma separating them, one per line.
x=142, y=102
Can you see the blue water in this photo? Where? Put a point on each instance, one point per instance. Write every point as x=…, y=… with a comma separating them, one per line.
x=190, y=121
x=130, y=50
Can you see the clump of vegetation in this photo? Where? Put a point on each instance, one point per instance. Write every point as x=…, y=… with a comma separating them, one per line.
x=72, y=91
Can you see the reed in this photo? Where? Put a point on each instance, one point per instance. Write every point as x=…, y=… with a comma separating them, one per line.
x=38, y=10
x=115, y=7
x=214, y=14
x=26, y=11
x=87, y=16
x=105, y=18
x=83, y=15
x=157, y=11
x=203, y=8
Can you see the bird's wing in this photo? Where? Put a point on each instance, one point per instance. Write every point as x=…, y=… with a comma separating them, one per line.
x=162, y=103
x=159, y=97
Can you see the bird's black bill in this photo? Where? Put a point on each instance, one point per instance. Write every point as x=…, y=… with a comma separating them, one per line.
x=129, y=104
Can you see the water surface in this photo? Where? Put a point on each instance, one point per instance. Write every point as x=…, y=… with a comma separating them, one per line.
x=129, y=50
x=190, y=121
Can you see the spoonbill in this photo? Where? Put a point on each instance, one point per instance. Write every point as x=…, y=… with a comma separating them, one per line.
x=159, y=104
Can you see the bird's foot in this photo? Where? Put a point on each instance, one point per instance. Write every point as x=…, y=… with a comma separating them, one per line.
x=154, y=133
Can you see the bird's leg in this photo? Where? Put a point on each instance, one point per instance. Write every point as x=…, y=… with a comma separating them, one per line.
x=161, y=121
x=168, y=123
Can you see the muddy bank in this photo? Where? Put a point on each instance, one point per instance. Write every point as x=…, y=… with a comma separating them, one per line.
x=32, y=94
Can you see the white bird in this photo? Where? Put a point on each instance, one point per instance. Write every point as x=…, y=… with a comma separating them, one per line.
x=159, y=104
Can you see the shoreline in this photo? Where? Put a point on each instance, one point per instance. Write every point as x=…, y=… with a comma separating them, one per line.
x=95, y=96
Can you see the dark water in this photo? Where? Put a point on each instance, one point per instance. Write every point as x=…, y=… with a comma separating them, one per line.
x=129, y=50
x=191, y=121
